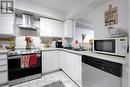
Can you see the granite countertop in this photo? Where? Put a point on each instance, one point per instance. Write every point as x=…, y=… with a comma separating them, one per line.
x=92, y=54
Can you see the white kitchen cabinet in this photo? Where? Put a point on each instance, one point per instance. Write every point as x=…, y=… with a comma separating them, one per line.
x=68, y=29
x=45, y=27
x=71, y=64
x=3, y=77
x=6, y=24
x=3, y=62
x=3, y=69
x=50, y=61
x=62, y=60
x=50, y=28
x=57, y=28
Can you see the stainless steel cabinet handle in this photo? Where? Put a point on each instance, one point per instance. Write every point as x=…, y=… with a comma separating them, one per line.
x=14, y=57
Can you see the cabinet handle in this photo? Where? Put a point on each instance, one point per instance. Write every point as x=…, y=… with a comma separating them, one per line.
x=3, y=59
x=3, y=65
x=3, y=71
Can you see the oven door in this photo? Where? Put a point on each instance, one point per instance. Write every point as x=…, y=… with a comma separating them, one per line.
x=105, y=46
x=15, y=71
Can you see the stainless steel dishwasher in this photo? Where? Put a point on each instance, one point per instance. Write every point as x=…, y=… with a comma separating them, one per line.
x=100, y=73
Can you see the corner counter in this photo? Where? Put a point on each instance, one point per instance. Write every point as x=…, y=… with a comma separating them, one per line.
x=111, y=58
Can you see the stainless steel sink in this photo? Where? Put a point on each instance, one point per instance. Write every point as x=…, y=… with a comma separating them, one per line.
x=75, y=49
x=78, y=49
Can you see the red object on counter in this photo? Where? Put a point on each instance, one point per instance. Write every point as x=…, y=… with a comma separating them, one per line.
x=33, y=59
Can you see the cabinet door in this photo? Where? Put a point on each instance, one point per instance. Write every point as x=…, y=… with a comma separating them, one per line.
x=60, y=28
x=3, y=77
x=50, y=61
x=71, y=65
x=57, y=28
x=63, y=61
x=50, y=27
x=68, y=28
x=75, y=68
x=45, y=27
x=6, y=25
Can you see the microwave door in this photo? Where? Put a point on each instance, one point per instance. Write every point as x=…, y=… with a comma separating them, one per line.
x=98, y=45
x=104, y=46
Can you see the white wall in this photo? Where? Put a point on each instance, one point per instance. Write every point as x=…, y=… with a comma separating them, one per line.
x=22, y=5
x=129, y=43
x=96, y=17
x=80, y=31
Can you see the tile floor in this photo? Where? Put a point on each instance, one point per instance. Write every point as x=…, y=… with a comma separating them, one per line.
x=48, y=79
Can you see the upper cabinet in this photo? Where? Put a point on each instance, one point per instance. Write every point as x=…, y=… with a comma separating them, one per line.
x=68, y=29
x=50, y=27
x=6, y=24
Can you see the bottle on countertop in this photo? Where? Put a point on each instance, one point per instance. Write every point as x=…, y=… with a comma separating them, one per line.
x=53, y=44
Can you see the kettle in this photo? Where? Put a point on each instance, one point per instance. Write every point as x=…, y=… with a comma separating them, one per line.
x=53, y=44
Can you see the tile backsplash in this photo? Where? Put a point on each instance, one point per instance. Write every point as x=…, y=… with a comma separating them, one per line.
x=47, y=41
x=8, y=42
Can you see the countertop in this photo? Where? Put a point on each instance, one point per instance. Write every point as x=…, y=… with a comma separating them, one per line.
x=92, y=54
x=3, y=51
x=87, y=53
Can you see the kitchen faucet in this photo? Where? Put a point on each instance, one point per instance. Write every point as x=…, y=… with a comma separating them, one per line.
x=81, y=45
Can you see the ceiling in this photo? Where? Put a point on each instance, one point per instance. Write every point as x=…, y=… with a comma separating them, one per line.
x=90, y=7
x=69, y=8
x=62, y=6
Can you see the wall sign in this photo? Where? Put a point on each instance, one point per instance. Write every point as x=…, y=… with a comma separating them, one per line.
x=111, y=16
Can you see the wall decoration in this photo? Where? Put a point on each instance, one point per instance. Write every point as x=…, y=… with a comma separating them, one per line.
x=111, y=16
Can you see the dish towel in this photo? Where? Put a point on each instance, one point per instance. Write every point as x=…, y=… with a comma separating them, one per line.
x=24, y=61
x=33, y=59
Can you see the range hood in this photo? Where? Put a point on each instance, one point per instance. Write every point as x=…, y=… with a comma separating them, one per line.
x=28, y=22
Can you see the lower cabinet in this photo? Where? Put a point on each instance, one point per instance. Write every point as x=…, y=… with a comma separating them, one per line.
x=3, y=69
x=3, y=77
x=50, y=61
x=71, y=64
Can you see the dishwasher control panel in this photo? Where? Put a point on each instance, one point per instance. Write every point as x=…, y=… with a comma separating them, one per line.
x=107, y=66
